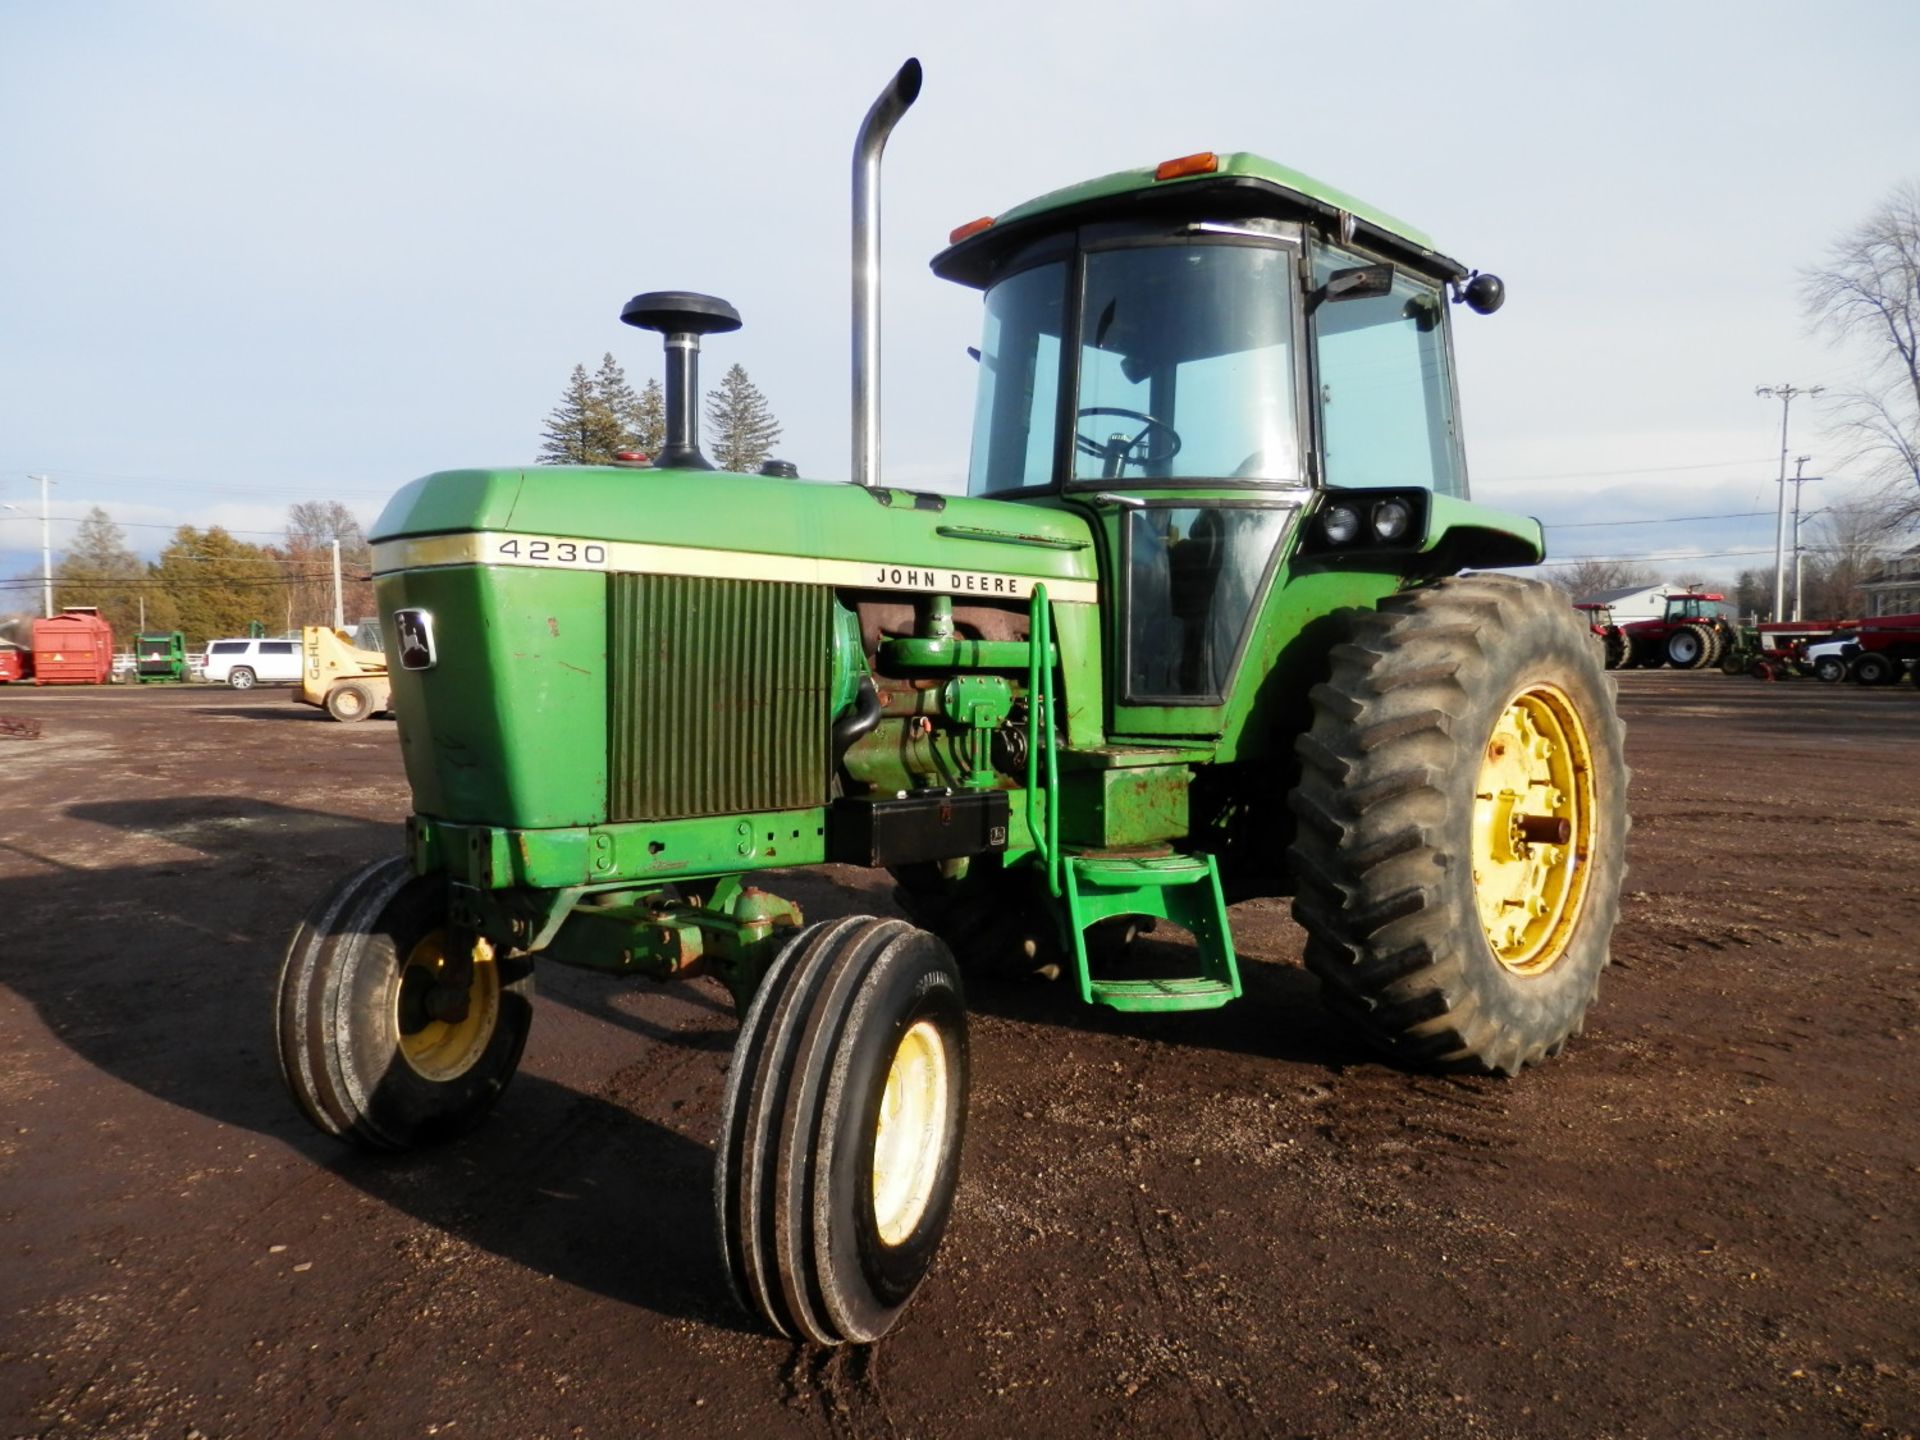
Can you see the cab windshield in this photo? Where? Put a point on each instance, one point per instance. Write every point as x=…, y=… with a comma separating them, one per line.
x=1185, y=369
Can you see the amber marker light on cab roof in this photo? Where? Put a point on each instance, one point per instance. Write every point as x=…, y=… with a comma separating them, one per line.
x=968, y=230
x=1205, y=163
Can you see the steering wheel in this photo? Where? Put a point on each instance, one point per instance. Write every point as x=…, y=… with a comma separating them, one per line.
x=1117, y=453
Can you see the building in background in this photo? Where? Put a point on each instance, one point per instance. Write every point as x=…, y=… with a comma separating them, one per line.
x=1894, y=588
x=1632, y=602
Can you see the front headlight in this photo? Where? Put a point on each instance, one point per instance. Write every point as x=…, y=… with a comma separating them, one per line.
x=1340, y=524
x=1391, y=519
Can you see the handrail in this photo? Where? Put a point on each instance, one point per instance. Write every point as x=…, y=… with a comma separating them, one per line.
x=1040, y=712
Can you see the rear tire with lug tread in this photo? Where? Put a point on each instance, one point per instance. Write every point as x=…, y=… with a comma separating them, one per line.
x=1405, y=794
x=360, y=1050
x=1688, y=647
x=841, y=1128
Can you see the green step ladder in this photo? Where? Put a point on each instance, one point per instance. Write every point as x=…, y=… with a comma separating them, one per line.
x=1181, y=889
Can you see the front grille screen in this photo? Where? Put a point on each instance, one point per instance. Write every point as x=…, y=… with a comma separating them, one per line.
x=719, y=696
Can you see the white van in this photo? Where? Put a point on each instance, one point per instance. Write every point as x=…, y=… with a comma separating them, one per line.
x=246, y=663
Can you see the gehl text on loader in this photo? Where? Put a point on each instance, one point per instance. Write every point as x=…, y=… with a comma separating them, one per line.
x=1199, y=630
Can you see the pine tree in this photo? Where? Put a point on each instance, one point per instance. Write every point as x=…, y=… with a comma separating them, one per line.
x=98, y=569
x=649, y=424
x=740, y=425
x=615, y=396
x=581, y=430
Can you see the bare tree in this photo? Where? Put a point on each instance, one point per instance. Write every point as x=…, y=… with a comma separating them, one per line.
x=306, y=559
x=1850, y=544
x=1585, y=577
x=1867, y=296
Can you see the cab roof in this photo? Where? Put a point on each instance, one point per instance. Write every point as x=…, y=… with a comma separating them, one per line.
x=1237, y=185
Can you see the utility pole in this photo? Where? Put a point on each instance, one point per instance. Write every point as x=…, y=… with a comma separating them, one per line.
x=1799, y=464
x=46, y=547
x=1784, y=394
x=339, y=601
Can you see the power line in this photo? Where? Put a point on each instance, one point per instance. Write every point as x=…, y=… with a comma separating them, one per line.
x=160, y=525
x=1651, y=558
x=1666, y=520
x=210, y=486
x=1612, y=474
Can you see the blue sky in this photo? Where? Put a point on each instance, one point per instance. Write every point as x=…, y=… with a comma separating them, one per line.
x=253, y=253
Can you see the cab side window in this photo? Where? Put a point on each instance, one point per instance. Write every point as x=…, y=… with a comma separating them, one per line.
x=1385, y=384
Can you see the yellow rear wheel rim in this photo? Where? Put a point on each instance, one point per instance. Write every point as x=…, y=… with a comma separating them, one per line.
x=909, y=1141
x=443, y=1050
x=1533, y=828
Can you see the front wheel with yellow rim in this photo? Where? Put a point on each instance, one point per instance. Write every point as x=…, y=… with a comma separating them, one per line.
x=395, y=1028
x=1462, y=824
x=840, y=1129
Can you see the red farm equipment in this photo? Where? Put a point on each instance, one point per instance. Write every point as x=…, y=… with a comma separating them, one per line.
x=15, y=663
x=1613, y=644
x=1889, y=646
x=74, y=647
x=1874, y=651
x=1695, y=632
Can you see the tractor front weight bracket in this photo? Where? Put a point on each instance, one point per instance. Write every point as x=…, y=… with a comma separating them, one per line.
x=735, y=931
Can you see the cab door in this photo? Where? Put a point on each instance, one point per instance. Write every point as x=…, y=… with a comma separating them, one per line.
x=1191, y=573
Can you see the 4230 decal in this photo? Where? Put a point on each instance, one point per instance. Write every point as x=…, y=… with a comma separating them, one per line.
x=554, y=552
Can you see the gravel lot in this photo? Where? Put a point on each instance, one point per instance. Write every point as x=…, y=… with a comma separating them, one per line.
x=1702, y=1220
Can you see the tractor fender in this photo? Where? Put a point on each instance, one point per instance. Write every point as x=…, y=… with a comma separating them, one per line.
x=1481, y=547
x=1462, y=535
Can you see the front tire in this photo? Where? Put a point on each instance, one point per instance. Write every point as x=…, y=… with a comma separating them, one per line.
x=368, y=1050
x=840, y=1129
x=1830, y=668
x=350, y=702
x=1463, y=825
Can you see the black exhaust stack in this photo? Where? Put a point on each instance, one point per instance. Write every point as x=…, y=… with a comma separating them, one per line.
x=682, y=317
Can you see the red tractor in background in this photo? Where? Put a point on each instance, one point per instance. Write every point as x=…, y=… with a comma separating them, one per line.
x=1695, y=632
x=1611, y=637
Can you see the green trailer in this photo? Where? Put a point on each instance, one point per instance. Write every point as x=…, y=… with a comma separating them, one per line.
x=1214, y=620
x=160, y=657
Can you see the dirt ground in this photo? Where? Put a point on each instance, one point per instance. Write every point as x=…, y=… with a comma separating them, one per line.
x=1704, y=1219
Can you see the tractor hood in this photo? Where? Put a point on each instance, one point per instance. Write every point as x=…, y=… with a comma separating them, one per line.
x=717, y=524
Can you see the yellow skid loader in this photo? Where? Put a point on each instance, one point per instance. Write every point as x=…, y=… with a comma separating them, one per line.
x=349, y=683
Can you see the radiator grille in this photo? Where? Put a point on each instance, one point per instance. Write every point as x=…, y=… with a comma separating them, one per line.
x=719, y=696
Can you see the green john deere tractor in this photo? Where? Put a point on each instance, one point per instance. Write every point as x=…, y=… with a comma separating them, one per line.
x=1199, y=630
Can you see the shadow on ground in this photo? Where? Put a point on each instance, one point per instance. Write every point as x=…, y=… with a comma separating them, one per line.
x=162, y=974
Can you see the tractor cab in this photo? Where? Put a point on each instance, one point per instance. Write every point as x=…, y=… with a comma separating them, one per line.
x=1695, y=606
x=1200, y=356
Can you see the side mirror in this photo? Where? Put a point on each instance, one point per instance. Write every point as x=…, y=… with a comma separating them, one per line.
x=1484, y=294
